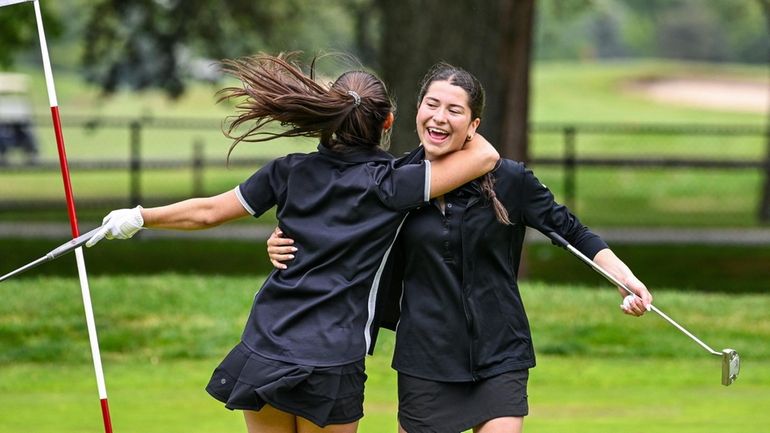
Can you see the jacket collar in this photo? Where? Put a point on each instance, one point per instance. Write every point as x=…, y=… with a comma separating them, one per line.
x=356, y=156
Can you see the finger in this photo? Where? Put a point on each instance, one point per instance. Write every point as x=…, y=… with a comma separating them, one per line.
x=107, y=218
x=281, y=257
x=96, y=237
x=640, y=306
x=647, y=298
x=631, y=311
x=280, y=250
x=273, y=241
x=278, y=265
x=271, y=249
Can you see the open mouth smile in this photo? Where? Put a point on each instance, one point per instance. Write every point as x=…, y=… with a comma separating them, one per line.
x=437, y=134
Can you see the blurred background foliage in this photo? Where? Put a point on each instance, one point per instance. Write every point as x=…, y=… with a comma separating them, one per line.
x=155, y=43
x=165, y=44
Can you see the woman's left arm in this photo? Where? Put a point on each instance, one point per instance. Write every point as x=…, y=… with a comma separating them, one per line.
x=610, y=262
x=195, y=213
x=191, y=214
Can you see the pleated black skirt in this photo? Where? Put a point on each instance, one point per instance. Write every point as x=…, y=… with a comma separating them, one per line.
x=323, y=395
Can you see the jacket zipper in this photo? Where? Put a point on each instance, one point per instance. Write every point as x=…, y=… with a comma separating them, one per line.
x=465, y=295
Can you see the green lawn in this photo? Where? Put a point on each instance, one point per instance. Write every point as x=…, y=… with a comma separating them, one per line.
x=161, y=336
x=566, y=394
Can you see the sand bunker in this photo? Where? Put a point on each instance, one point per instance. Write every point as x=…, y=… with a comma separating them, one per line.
x=718, y=94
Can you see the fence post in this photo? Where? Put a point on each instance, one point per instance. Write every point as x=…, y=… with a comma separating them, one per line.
x=197, y=168
x=135, y=165
x=764, y=203
x=570, y=167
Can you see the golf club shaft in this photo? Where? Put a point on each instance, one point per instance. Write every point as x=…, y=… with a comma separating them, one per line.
x=24, y=268
x=616, y=282
x=71, y=245
x=53, y=254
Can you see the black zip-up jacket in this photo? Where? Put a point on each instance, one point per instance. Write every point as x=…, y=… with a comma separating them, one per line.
x=453, y=281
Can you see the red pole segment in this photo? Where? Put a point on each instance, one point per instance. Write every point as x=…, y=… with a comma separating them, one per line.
x=65, y=172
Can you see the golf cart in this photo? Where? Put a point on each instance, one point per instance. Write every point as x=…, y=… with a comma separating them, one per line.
x=16, y=119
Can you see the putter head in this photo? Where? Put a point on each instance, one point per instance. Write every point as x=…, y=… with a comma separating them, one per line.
x=731, y=366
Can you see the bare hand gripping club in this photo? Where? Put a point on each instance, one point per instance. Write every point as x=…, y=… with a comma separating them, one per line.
x=731, y=361
x=54, y=254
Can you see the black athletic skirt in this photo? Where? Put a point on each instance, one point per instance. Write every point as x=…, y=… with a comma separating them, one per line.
x=427, y=406
x=323, y=395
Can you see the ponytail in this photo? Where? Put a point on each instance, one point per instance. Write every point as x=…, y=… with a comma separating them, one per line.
x=488, y=190
x=348, y=114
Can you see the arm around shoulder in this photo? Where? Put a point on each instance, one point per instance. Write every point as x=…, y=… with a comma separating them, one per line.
x=475, y=159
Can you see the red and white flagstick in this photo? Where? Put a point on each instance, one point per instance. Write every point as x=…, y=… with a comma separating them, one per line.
x=81, y=264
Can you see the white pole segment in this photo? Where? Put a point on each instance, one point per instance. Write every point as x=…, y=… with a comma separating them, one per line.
x=46, y=60
x=11, y=2
x=90, y=324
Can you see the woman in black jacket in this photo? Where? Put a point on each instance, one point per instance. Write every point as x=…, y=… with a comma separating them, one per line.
x=463, y=344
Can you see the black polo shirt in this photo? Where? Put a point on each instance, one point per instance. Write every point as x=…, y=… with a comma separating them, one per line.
x=462, y=317
x=343, y=212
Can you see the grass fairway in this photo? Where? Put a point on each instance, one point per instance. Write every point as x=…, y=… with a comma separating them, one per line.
x=161, y=336
x=567, y=394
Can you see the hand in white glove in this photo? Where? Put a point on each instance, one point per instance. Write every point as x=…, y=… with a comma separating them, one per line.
x=119, y=224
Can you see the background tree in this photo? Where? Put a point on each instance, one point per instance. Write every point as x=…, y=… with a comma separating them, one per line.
x=18, y=32
x=490, y=38
x=143, y=43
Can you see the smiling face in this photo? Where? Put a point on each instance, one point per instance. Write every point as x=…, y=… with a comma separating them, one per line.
x=444, y=119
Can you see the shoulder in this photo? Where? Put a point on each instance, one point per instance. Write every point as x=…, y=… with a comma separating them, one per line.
x=508, y=170
x=294, y=158
x=413, y=157
x=291, y=160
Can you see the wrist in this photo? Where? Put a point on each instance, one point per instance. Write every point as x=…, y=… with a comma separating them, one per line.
x=139, y=216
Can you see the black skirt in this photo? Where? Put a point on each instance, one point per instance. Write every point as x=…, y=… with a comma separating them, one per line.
x=323, y=395
x=427, y=406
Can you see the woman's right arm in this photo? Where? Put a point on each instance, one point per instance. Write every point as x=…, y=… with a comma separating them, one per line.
x=475, y=159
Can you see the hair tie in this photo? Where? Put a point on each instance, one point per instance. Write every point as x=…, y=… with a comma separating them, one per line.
x=356, y=97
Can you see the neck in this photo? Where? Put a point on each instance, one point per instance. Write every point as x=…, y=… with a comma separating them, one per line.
x=430, y=157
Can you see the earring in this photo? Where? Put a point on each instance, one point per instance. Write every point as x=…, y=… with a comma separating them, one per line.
x=469, y=137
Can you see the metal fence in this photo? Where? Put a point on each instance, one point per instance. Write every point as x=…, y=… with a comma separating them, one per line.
x=570, y=161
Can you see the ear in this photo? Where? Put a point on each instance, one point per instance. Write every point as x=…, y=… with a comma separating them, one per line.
x=472, y=128
x=388, y=123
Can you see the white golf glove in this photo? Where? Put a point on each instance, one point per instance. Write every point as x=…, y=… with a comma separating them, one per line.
x=119, y=224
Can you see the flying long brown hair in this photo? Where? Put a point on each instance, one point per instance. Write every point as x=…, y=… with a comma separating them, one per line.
x=346, y=115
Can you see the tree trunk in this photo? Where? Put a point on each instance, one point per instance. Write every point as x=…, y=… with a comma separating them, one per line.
x=490, y=38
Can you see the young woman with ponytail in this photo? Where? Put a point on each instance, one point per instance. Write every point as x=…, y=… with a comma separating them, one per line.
x=300, y=364
x=463, y=345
